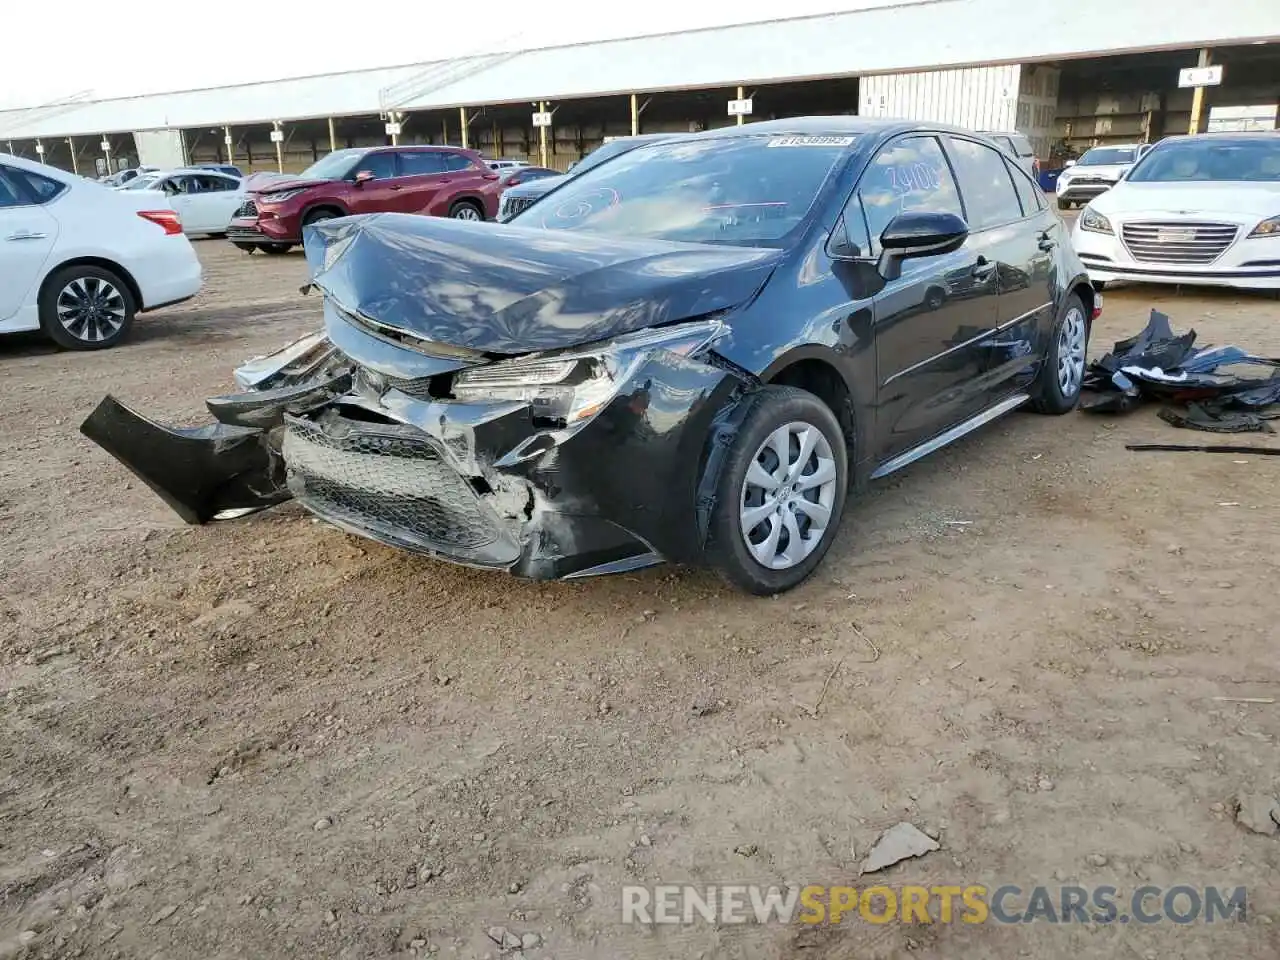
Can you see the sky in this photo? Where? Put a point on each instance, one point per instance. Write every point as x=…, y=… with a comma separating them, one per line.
x=112, y=50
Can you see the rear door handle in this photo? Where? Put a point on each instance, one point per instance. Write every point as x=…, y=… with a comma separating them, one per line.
x=26, y=235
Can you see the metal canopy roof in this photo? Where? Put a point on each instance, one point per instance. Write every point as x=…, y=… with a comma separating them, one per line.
x=914, y=35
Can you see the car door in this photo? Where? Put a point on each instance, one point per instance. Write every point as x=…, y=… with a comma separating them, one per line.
x=1018, y=235
x=929, y=321
x=423, y=177
x=381, y=193
x=27, y=236
x=181, y=189
x=219, y=197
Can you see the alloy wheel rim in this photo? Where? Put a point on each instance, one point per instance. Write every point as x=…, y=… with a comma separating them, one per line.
x=1071, y=349
x=466, y=213
x=91, y=309
x=788, y=496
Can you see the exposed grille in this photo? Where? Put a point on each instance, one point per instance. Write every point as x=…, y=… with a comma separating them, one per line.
x=1091, y=182
x=386, y=480
x=513, y=205
x=247, y=209
x=1177, y=241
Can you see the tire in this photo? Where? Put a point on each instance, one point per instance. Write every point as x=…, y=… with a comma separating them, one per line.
x=466, y=210
x=275, y=249
x=1054, y=392
x=753, y=456
x=246, y=247
x=318, y=216
x=86, y=308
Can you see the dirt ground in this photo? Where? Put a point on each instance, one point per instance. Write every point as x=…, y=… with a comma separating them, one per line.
x=267, y=738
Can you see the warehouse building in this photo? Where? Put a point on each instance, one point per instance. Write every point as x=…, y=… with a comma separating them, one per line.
x=1068, y=75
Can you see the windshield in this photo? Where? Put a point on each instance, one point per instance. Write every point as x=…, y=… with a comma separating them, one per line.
x=743, y=190
x=1211, y=159
x=144, y=182
x=334, y=166
x=1102, y=156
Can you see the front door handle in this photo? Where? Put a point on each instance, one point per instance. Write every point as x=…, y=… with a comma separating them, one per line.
x=984, y=269
x=26, y=235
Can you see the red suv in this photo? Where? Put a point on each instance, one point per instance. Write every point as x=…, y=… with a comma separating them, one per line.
x=439, y=181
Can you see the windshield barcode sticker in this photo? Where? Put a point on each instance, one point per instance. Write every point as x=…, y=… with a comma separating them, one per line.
x=812, y=141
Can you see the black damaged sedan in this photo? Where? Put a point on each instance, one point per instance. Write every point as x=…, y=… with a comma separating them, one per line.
x=692, y=353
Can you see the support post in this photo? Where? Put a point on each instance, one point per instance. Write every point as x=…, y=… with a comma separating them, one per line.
x=741, y=95
x=39, y=149
x=75, y=164
x=275, y=125
x=635, y=115
x=333, y=136
x=106, y=152
x=466, y=134
x=1199, y=120
x=542, y=134
x=444, y=132
x=230, y=141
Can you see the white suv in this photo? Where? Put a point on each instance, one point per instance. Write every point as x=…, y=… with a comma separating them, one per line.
x=78, y=260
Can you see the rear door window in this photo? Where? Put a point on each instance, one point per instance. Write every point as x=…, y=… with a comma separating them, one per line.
x=1029, y=194
x=41, y=187
x=455, y=162
x=420, y=163
x=9, y=193
x=907, y=175
x=985, y=183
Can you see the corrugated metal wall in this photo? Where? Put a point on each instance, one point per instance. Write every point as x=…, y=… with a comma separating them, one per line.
x=981, y=98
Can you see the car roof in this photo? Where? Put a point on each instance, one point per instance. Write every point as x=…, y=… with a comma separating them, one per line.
x=177, y=171
x=839, y=125
x=1226, y=135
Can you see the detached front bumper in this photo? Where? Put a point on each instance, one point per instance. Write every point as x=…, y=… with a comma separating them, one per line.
x=483, y=484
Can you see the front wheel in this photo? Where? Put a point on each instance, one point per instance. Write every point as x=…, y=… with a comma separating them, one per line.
x=780, y=494
x=1057, y=388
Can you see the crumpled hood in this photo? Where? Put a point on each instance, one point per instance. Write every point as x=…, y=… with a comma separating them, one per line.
x=505, y=289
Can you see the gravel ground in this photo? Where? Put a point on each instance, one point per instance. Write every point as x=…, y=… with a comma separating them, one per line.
x=268, y=738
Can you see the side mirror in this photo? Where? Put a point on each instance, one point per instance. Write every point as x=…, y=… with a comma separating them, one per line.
x=1069, y=163
x=363, y=177
x=918, y=233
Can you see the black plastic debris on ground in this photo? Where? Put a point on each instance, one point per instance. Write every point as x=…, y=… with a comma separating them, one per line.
x=1216, y=389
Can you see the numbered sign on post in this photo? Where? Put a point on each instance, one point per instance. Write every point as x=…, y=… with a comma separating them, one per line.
x=740, y=108
x=542, y=118
x=277, y=136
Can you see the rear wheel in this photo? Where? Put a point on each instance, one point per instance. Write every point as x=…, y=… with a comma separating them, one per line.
x=86, y=308
x=781, y=493
x=466, y=210
x=275, y=248
x=1057, y=388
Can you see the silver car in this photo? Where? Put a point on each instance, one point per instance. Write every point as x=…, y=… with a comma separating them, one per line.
x=1096, y=172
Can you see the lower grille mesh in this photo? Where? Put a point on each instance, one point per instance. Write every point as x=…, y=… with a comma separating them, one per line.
x=387, y=480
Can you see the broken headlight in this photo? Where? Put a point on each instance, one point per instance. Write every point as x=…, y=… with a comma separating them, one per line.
x=570, y=386
x=290, y=364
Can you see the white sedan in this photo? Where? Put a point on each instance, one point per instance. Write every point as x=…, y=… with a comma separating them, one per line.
x=1199, y=210
x=204, y=199
x=78, y=260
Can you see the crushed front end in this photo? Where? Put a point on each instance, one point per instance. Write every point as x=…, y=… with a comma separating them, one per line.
x=565, y=462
